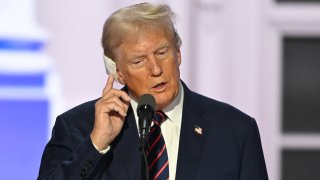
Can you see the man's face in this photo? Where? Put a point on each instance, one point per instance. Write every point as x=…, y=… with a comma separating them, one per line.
x=148, y=62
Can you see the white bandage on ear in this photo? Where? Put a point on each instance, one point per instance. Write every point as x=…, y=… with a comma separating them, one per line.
x=110, y=67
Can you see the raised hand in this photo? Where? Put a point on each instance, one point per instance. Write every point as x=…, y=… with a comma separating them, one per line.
x=110, y=112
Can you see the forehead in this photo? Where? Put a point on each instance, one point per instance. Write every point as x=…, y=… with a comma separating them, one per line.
x=144, y=41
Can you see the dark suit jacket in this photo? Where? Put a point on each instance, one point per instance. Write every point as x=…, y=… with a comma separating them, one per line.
x=229, y=147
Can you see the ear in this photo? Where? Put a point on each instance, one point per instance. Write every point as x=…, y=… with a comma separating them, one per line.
x=178, y=56
x=120, y=76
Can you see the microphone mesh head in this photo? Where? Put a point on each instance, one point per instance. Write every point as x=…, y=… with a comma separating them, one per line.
x=147, y=99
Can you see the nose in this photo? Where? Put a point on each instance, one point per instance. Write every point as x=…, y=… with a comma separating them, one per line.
x=155, y=67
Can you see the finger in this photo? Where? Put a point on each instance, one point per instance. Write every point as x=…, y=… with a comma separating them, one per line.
x=113, y=103
x=116, y=100
x=109, y=84
x=126, y=106
x=115, y=107
x=122, y=95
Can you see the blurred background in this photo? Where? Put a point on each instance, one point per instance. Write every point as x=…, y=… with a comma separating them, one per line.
x=262, y=56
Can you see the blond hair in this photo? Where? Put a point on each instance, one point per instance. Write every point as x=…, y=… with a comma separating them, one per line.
x=132, y=19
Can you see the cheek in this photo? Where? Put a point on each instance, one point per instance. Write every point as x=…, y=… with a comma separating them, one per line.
x=173, y=69
x=138, y=79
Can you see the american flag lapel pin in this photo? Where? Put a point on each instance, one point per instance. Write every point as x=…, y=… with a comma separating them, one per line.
x=198, y=130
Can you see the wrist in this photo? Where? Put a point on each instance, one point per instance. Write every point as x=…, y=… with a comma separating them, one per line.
x=99, y=141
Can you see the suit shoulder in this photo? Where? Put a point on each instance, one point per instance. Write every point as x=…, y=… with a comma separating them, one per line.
x=223, y=111
x=224, y=117
x=82, y=112
x=85, y=108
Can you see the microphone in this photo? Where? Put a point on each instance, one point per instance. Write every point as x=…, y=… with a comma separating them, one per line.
x=145, y=111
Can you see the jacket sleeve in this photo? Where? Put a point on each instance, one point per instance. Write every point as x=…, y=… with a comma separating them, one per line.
x=70, y=154
x=253, y=163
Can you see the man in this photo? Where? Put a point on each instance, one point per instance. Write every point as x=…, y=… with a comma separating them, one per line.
x=202, y=138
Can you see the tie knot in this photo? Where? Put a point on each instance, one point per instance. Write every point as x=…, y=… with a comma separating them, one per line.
x=159, y=117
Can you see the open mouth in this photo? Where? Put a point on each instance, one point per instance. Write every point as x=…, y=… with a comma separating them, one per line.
x=159, y=87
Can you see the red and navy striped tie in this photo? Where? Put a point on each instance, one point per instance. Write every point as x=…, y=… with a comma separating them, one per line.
x=157, y=153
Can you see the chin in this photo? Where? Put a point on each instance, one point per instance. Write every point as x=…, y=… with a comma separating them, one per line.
x=163, y=102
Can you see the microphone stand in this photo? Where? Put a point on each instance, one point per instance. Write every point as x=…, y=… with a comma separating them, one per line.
x=144, y=127
x=144, y=162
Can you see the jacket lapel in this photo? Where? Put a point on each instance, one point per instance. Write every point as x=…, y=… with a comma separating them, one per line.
x=192, y=137
x=128, y=146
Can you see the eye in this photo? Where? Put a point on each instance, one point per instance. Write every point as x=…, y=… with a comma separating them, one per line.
x=162, y=53
x=137, y=62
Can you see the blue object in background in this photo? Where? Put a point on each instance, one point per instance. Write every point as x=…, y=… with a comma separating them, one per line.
x=20, y=44
x=29, y=91
x=23, y=132
x=22, y=80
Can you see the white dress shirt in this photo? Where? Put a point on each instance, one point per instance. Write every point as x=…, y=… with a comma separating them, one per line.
x=170, y=129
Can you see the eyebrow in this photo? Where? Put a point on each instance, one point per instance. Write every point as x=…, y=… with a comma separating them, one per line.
x=162, y=45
